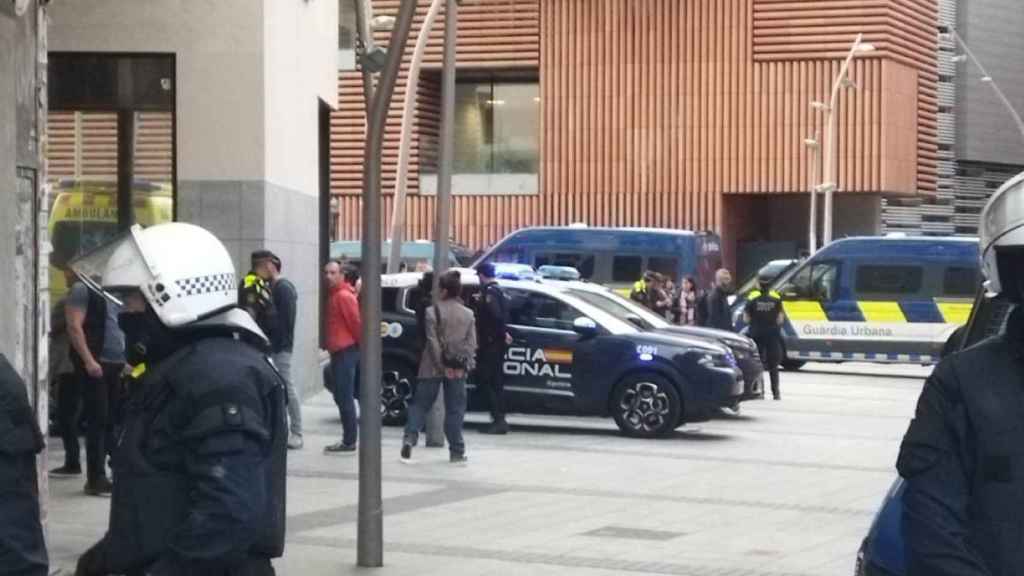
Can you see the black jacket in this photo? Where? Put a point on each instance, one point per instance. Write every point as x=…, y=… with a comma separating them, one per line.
x=491, y=316
x=200, y=465
x=963, y=461
x=22, y=549
x=718, y=310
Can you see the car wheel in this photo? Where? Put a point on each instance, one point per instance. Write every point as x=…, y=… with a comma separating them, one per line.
x=646, y=405
x=396, y=390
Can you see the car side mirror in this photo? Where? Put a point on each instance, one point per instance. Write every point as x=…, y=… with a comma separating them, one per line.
x=585, y=327
x=638, y=321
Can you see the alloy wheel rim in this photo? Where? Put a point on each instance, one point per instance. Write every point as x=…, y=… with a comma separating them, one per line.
x=644, y=406
x=395, y=394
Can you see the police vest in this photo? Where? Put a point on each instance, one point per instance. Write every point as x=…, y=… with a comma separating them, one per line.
x=764, y=309
x=178, y=401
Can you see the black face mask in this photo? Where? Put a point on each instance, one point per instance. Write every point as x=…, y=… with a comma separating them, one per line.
x=146, y=339
x=135, y=328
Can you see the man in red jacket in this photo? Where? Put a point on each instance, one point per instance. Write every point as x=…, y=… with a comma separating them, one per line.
x=344, y=326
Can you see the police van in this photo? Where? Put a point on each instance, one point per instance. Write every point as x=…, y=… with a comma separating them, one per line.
x=892, y=299
x=570, y=357
x=614, y=257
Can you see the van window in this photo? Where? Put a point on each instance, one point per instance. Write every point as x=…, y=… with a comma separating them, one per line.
x=627, y=268
x=961, y=282
x=813, y=282
x=887, y=280
x=583, y=263
x=664, y=265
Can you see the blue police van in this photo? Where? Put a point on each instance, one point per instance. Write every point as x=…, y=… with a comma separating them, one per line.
x=893, y=299
x=614, y=257
x=571, y=357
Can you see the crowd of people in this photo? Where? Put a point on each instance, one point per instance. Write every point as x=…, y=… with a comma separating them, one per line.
x=688, y=305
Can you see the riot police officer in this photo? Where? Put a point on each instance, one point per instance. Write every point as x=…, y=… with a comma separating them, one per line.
x=22, y=549
x=763, y=313
x=199, y=467
x=963, y=454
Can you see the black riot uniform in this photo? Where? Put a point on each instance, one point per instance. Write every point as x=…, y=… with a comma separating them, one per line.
x=491, y=318
x=22, y=549
x=763, y=311
x=963, y=462
x=199, y=469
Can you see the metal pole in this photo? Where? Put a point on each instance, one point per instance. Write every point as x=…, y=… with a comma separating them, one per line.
x=991, y=81
x=830, y=179
x=364, y=13
x=812, y=234
x=411, y=89
x=446, y=158
x=370, y=538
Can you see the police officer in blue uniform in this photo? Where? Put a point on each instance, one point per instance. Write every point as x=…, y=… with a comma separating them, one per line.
x=199, y=467
x=493, y=340
x=763, y=313
x=963, y=455
x=22, y=549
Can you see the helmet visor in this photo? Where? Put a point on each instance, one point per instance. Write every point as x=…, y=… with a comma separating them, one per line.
x=107, y=270
x=1003, y=214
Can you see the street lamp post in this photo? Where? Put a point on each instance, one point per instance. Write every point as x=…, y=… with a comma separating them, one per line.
x=405, y=137
x=812, y=230
x=842, y=80
x=986, y=78
x=370, y=532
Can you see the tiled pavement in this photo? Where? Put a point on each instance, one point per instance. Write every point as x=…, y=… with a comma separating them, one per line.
x=786, y=488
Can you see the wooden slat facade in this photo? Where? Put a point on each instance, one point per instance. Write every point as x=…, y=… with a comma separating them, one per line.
x=652, y=110
x=83, y=146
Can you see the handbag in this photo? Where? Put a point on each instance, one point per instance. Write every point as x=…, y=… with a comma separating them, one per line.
x=447, y=359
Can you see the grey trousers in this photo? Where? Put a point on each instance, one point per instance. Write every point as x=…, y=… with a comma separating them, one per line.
x=283, y=362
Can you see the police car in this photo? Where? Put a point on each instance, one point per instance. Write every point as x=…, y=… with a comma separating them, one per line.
x=570, y=357
x=742, y=347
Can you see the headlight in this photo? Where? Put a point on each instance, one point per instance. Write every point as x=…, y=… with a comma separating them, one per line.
x=714, y=360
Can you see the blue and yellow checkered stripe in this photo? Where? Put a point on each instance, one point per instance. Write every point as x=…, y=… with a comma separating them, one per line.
x=811, y=355
x=936, y=311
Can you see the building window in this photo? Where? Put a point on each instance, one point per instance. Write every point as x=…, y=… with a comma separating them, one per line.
x=497, y=140
x=347, y=35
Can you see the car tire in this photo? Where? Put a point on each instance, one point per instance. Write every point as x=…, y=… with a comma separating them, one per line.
x=396, y=390
x=646, y=405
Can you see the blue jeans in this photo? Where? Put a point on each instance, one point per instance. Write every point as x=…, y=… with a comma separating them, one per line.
x=343, y=377
x=454, y=411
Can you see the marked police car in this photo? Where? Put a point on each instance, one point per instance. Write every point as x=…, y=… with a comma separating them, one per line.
x=570, y=357
x=742, y=347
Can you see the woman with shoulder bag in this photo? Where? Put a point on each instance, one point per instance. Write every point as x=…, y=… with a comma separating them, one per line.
x=447, y=358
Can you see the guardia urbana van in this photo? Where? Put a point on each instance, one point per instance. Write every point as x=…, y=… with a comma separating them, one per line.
x=892, y=299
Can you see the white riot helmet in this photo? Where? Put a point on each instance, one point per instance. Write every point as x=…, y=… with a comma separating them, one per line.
x=183, y=271
x=1002, y=239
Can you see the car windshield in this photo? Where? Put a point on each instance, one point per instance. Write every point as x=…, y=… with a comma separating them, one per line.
x=620, y=307
x=773, y=269
x=615, y=323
